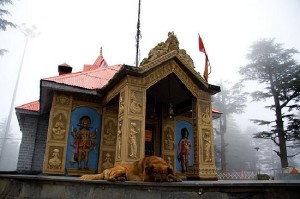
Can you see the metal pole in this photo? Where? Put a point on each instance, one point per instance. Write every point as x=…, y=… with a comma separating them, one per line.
x=138, y=36
x=28, y=33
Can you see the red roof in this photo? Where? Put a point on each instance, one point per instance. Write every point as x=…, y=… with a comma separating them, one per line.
x=99, y=62
x=216, y=111
x=32, y=106
x=90, y=79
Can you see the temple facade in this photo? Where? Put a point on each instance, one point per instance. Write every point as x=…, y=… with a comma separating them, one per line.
x=88, y=121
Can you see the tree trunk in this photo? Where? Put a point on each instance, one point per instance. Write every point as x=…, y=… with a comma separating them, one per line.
x=281, y=139
x=279, y=122
x=223, y=144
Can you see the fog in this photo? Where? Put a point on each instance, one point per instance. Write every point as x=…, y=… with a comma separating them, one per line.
x=73, y=32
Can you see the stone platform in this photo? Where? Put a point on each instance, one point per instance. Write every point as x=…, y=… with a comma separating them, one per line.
x=41, y=187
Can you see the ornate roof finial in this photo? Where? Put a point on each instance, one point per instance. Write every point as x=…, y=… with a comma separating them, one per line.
x=101, y=51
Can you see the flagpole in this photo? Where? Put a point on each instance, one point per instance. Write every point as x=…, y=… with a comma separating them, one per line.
x=138, y=36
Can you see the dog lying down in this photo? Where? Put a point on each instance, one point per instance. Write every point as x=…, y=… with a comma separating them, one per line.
x=148, y=169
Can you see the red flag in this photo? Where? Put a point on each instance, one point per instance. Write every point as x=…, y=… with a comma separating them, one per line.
x=201, y=46
x=202, y=49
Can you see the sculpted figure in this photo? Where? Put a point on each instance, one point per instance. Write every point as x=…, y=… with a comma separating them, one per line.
x=109, y=135
x=119, y=141
x=135, y=106
x=207, y=145
x=169, y=141
x=58, y=131
x=121, y=105
x=206, y=116
x=54, y=162
x=132, y=140
x=184, y=146
x=107, y=162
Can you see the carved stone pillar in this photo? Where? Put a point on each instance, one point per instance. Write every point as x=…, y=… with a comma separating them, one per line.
x=130, y=144
x=108, y=139
x=56, y=146
x=204, y=167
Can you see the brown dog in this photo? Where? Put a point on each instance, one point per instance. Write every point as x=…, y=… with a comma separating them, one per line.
x=148, y=169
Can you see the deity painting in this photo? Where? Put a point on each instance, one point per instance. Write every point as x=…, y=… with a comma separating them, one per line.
x=184, y=140
x=84, y=138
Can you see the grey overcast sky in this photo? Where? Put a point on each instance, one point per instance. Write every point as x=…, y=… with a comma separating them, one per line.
x=73, y=31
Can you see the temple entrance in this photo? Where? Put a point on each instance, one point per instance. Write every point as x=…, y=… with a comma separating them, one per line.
x=166, y=100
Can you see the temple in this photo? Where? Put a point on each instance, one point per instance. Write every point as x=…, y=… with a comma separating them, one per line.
x=87, y=121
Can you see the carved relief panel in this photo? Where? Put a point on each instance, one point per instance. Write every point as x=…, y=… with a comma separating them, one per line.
x=107, y=160
x=169, y=140
x=206, y=118
x=136, y=102
x=170, y=160
x=109, y=132
x=55, y=158
x=207, y=144
x=121, y=103
x=134, y=139
x=59, y=125
x=119, y=140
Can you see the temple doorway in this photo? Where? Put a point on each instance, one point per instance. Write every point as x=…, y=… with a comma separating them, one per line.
x=166, y=99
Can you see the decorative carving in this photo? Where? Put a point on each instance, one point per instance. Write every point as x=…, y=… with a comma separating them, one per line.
x=163, y=49
x=132, y=140
x=63, y=99
x=207, y=146
x=59, y=130
x=170, y=161
x=169, y=139
x=55, y=161
x=119, y=140
x=135, y=102
x=206, y=114
x=121, y=103
x=108, y=162
x=109, y=136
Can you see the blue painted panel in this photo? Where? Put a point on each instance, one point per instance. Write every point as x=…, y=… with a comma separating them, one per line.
x=179, y=126
x=91, y=144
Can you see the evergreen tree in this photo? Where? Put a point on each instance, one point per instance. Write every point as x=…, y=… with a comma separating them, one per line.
x=3, y=22
x=228, y=101
x=274, y=67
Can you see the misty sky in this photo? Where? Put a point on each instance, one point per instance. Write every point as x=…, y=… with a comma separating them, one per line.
x=73, y=32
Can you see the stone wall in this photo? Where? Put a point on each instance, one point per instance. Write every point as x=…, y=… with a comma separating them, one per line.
x=38, y=187
x=40, y=144
x=32, y=148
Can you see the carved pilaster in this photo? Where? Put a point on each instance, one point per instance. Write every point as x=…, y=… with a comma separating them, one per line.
x=206, y=168
x=130, y=144
x=59, y=123
x=108, y=139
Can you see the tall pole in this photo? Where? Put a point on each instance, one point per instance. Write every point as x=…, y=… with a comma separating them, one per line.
x=28, y=32
x=138, y=36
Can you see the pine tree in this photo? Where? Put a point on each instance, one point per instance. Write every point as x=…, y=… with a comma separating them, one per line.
x=274, y=67
x=228, y=101
x=3, y=22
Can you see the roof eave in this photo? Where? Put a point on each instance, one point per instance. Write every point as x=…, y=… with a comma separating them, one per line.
x=46, y=92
